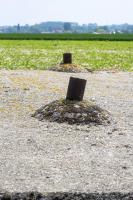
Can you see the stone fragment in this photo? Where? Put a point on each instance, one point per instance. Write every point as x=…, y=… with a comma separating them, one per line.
x=69, y=115
x=76, y=106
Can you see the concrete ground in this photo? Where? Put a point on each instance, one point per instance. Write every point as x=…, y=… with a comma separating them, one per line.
x=52, y=157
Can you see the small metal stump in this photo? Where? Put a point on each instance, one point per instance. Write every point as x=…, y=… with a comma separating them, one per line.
x=67, y=58
x=76, y=89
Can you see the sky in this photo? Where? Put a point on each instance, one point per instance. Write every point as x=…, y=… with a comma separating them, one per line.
x=101, y=12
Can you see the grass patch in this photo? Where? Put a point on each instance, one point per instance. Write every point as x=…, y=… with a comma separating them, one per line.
x=97, y=55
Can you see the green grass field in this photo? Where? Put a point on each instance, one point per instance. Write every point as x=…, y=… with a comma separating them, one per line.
x=42, y=54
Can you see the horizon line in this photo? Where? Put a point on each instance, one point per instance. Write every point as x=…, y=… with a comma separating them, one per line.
x=98, y=24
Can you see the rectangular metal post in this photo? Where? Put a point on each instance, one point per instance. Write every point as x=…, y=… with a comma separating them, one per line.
x=76, y=89
x=67, y=58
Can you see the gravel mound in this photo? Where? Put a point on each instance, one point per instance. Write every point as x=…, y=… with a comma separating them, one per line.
x=73, y=68
x=73, y=112
x=66, y=196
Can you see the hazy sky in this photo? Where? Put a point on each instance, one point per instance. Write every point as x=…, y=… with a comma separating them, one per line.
x=82, y=11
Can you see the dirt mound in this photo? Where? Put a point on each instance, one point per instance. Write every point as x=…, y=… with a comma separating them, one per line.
x=73, y=112
x=73, y=68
